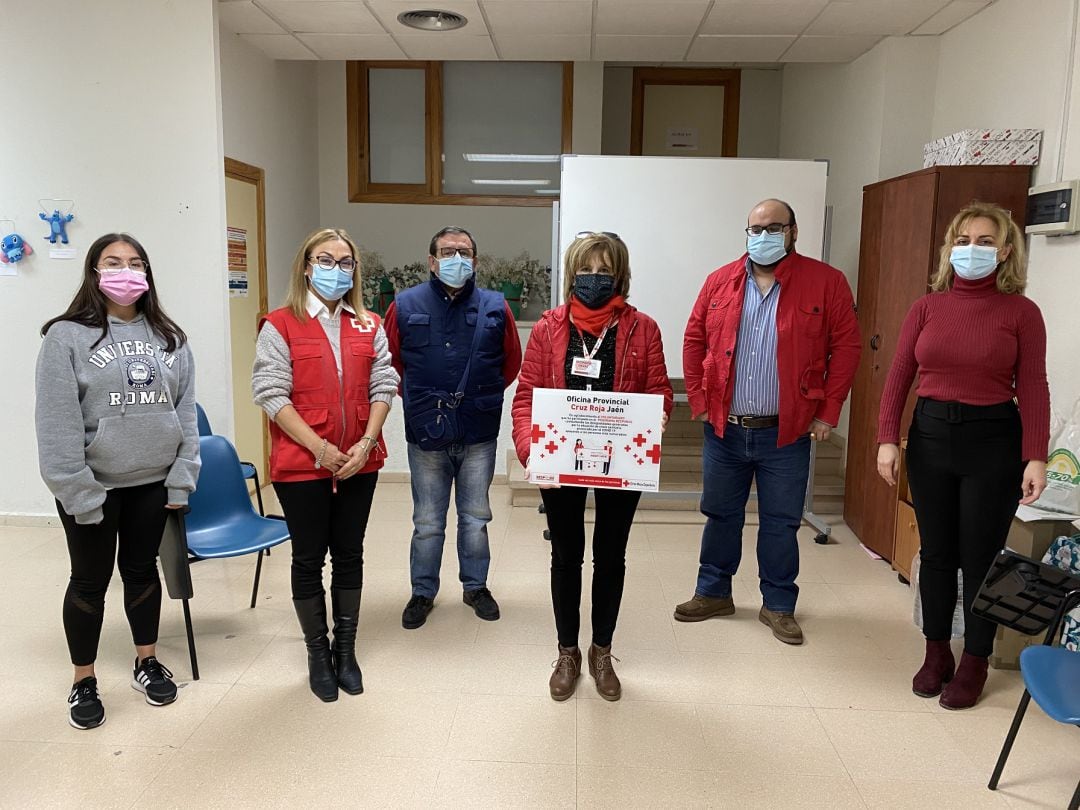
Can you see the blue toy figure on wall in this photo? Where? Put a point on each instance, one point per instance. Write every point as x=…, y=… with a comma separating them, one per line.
x=13, y=249
x=57, y=225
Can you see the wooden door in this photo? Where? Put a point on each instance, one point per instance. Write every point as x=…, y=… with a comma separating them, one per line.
x=245, y=217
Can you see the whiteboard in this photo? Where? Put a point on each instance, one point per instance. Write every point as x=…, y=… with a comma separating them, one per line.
x=681, y=218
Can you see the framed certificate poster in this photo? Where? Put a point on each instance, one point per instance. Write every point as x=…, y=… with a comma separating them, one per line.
x=596, y=439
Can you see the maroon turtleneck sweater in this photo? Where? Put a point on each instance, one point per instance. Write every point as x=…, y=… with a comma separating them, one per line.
x=974, y=345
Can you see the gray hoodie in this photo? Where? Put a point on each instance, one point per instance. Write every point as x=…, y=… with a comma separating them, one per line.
x=117, y=412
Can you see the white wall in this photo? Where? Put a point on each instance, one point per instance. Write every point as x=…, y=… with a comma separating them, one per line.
x=117, y=108
x=1007, y=67
x=270, y=119
x=759, y=111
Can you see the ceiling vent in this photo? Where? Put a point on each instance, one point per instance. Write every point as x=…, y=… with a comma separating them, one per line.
x=432, y=20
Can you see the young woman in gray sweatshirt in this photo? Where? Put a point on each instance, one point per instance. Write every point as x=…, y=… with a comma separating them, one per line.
x=118, y=445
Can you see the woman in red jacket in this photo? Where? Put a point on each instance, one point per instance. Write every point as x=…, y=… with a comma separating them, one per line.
x=596, y=323
x=323, y=375
x=973, y=452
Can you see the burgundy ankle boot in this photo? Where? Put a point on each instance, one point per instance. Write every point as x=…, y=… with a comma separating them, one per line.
x=937, y=669
x=967, y=685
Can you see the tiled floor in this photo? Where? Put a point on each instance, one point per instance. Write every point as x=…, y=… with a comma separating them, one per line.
x=456, y=714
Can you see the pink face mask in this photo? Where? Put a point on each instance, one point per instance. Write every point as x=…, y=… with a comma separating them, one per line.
x=123, y=286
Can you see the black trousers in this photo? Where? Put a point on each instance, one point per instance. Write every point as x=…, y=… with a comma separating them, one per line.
x=965, y=475
x=319, y=521
x=136, y=517
x=565, y=511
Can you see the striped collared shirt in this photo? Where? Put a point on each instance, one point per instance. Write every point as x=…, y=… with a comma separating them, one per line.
x=757, y=383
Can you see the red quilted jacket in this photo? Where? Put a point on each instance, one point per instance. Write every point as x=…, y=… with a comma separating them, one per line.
x=639, y=364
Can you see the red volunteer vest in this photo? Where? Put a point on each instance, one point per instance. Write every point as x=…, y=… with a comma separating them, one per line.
x=335, y=409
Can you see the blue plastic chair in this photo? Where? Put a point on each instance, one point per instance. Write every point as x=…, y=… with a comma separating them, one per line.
x=1051, y=676
x=222, y=522
x=250, y=470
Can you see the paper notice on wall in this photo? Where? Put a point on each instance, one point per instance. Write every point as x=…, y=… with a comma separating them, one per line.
x=682, y=139
x=61, y=253
x=238, y=269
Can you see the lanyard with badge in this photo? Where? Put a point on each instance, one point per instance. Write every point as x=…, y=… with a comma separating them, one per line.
x=588, y=365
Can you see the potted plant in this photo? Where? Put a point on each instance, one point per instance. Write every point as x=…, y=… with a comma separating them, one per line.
x=377, y=290
x=508, y=276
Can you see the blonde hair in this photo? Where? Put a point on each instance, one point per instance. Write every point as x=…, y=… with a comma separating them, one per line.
x=581, y=252
x=1012, y=273
x=296, y=299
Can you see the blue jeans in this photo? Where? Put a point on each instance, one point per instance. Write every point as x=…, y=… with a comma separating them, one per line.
x=729, y=465
x=470, y=468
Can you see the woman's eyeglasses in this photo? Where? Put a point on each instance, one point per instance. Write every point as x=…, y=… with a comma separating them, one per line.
x=327, y=262
x=111, y=266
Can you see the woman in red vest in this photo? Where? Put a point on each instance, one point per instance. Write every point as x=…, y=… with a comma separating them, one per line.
x=323, y=375
x=596, y=342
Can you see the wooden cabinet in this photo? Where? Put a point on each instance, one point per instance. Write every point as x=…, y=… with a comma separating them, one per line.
x=903, y=225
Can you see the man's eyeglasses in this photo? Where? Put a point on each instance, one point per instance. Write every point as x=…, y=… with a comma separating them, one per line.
x=116, y=265
x=328, y=262
x=449, y=252
x=772, y=228
x=585, y=234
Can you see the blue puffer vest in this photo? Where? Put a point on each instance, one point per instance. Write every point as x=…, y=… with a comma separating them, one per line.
x=436, y=336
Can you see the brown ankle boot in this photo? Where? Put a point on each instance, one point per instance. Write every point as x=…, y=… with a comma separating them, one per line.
x=600, y=667
x=937, y=669
x=966, y=686
x=567, y=669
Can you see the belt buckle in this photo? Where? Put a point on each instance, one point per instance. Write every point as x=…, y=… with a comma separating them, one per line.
x=953, y=413
x=736, y=420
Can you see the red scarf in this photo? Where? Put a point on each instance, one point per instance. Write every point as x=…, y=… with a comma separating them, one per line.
x=593, y=321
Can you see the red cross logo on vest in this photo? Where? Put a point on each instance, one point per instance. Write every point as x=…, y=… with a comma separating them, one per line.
x=358, y=326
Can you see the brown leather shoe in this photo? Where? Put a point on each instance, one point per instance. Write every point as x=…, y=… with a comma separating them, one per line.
x=783, y=625
x=704, y=607
x=600, y=667
x=567, y=669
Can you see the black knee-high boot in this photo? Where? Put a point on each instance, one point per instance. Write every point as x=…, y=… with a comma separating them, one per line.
x=346, y=604
x=321, y=675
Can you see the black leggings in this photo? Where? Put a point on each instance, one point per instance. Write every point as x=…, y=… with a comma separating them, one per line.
x=565, y=511
x=965, y=479
x=320, y=521
x=137, y=515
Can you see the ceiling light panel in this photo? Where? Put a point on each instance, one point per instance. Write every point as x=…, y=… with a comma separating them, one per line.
x=762, y=17
x=651, y=19
x=540, y=17
x=245, y=18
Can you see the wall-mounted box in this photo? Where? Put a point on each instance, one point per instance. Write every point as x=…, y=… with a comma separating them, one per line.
x=1052, y=209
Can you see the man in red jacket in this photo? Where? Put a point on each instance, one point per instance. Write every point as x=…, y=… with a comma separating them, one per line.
x=769, y=356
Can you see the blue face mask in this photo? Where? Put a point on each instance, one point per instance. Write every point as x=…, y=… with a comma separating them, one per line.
x=972, y=262
x=330, y=283
x=766, y=248
x=455, y=271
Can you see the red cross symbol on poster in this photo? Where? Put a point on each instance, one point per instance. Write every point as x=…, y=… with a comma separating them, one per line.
x=654, y=454
x=537, y=434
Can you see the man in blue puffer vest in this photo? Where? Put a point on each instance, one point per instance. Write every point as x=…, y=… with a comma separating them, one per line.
x=456, y=348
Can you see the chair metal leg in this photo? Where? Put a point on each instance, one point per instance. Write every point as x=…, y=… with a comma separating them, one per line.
x=1018, y=718
x=191, y=642
x=258, y=494
x=1075, y=803
x=258, y=571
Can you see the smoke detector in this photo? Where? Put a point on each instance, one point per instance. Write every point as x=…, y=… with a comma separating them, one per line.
x=432, y=20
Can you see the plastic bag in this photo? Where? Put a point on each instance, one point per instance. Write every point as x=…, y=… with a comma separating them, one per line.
x=958, y=613
x=1062, y=493
x=1064, y=553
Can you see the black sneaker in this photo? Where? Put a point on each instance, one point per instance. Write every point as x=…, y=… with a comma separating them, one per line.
x=483, y=603
x=416, y=612
x=154, y=680
x=85, y=705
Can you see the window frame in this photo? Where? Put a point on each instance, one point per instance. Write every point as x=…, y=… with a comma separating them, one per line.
x=362, y=190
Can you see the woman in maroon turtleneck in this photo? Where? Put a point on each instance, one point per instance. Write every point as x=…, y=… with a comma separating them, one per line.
x=978, y=439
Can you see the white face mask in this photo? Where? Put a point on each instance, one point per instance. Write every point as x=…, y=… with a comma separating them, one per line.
x=972, y=262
